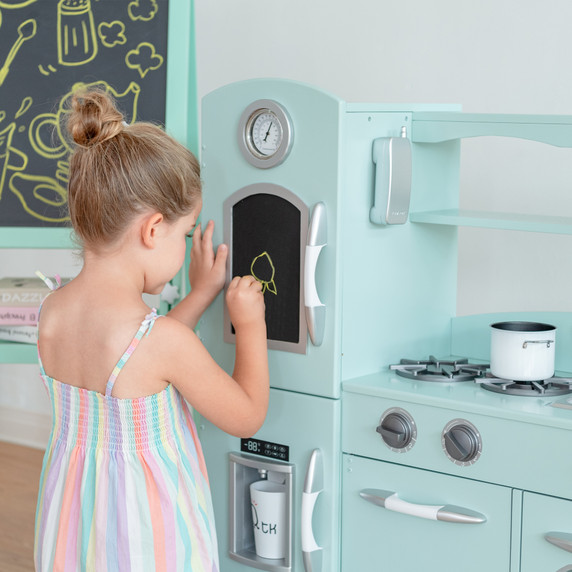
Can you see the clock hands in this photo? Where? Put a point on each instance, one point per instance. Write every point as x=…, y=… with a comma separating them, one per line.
x=268, y=132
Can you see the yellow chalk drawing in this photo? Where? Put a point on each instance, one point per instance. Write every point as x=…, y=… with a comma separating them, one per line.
x=44, y=197
x=77, y=39
x=144, y=10
x=262, y=268
x=11, y=159
x=41, y=197
x=26, y=30
x=63, y=171
x=43, y=71
x=143, y=59
x=15, y=4
x=112, y=33
x=24, y=106
x=43, y=128
x=2, y=115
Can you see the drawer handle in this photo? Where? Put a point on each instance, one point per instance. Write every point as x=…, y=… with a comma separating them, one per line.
x=446, y=513
x=561, y=539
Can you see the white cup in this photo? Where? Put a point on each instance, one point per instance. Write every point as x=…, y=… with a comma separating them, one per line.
x=268, y=502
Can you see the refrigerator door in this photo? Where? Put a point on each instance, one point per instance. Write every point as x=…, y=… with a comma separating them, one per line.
x=299, y=447
x=280, y=219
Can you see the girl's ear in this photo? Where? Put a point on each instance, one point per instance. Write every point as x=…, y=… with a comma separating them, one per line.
x=150, y=229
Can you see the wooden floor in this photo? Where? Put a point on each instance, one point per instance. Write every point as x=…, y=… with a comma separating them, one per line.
x=19, y=476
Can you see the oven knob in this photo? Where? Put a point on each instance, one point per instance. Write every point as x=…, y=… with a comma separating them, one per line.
x=461, y=442
x=397, y=429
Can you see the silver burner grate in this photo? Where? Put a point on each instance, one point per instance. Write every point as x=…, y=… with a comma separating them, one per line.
x=435, y=369
x=543, y=388
x=453, y=370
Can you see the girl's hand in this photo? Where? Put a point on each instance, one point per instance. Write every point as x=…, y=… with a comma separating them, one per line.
x=245, y=302
x=207, y=272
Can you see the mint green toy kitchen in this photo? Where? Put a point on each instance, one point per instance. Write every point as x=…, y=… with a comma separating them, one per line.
x=392, y=459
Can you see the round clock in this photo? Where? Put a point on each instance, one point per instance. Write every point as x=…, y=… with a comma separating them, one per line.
x=265, y=134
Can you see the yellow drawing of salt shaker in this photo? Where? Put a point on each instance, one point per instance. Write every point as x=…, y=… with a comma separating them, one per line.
x=77, y=39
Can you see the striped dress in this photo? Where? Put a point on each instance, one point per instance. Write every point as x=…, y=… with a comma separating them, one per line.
x=124, y=485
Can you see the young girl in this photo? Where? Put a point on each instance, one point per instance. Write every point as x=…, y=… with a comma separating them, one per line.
x=124, y=486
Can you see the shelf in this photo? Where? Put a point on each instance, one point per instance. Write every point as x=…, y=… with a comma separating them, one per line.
x=437, y=127
x=504, y=221
x=31, y=237
x=11, y=352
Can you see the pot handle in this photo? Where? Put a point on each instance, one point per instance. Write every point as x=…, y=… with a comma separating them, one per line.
x=547, y=342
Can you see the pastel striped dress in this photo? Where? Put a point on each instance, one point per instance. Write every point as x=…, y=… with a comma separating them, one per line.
x=124, y=485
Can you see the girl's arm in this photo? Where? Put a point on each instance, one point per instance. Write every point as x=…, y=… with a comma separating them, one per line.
x=207, y=274
x=237, y=404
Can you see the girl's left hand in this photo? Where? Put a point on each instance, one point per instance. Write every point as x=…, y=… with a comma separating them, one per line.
x=207, y=272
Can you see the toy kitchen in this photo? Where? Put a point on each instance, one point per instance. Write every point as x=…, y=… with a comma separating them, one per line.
x=392, y=438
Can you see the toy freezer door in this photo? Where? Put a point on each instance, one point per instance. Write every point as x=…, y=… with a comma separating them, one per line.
x=304, y=424
x=265, y=226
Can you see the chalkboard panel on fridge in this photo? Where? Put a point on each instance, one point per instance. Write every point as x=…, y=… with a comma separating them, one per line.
x=267, y=226
x=47, y=49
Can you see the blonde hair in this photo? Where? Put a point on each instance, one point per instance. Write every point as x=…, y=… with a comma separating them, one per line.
x=119, y=171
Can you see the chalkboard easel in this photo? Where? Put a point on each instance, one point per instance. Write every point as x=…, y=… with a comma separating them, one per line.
x=141, y=51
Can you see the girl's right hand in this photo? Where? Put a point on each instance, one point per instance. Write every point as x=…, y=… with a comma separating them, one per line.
x=245, y=302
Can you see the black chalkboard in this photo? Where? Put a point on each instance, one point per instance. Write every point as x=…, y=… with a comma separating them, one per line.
x=47, y=47
x=266, y=243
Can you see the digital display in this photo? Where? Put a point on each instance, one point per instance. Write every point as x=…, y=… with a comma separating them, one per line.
x=265, y=448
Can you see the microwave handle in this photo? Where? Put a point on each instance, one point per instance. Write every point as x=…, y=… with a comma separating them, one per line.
x=313, y=486
x=447, y=513
x=317, y=239
x=561, y=539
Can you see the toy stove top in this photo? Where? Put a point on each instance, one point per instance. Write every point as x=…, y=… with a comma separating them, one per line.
x=459, y=370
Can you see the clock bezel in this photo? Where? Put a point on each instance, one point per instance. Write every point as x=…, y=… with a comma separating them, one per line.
x=245, y=143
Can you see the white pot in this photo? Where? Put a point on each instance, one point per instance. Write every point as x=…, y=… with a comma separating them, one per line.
x=522, y=351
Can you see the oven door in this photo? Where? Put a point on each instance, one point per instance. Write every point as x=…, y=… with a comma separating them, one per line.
x=546, y=534
x=407, y=538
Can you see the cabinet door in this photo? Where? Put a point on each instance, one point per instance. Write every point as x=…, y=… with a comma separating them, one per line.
x=378, y=539
x=546, y=516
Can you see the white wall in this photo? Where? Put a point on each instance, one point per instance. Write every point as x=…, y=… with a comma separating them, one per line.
x=505, y=56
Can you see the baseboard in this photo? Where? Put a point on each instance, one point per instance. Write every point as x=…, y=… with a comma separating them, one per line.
x=25, y=427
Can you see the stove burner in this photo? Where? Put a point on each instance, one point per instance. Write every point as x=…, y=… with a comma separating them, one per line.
x=542, y=388
x=461, y=370
x=440, y=370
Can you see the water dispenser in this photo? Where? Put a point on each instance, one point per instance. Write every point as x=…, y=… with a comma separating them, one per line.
x=258, y=486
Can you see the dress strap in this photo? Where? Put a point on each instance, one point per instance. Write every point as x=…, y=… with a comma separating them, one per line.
x=144, y=329
x=50, y=284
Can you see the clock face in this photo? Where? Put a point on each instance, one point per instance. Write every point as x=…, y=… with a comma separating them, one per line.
x=265, y=134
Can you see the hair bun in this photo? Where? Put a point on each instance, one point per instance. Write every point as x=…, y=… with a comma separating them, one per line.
x=94, y=118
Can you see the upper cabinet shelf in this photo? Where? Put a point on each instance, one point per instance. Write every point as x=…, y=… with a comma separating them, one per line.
x=506, y=221
x=441, y=127
x=32, y=237
x=437, y=127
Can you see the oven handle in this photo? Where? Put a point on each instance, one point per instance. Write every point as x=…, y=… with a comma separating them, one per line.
x=561, y=539
x=313, y=486
x=317, y=239
x=447, y=513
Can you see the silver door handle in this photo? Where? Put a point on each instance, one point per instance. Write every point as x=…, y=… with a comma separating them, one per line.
x=561, y=539
x=448, y=513
x=317, y=239
x=313, y=486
